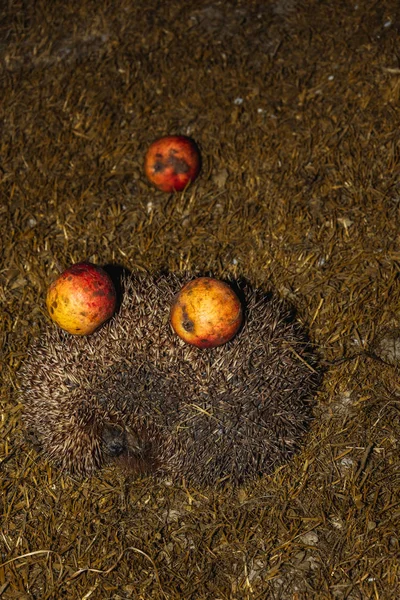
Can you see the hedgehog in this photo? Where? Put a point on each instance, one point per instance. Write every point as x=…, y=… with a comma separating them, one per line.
x=134, y=395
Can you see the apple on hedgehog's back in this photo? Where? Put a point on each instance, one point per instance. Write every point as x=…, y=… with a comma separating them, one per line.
x=206, y=313
x=81, y=298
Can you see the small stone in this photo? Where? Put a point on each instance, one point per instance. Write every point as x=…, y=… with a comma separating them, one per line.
x=220, y=178
x=387, y=347
x=310, y=538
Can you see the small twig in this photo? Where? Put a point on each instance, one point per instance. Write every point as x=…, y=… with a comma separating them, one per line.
x=391, y=70
x=364, y=459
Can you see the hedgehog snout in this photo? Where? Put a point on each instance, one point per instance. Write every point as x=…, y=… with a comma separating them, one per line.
x=113, y=440
x=119, y=442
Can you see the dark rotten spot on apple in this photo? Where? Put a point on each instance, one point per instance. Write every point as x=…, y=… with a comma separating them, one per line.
x=158, y=167
x=178, y=164
x=187, y=323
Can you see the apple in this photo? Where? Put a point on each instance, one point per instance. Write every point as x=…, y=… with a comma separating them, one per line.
x=206, y=313
x=172, y=162
x=81, y=298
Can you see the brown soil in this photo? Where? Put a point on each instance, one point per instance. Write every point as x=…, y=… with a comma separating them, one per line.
x=294, y=105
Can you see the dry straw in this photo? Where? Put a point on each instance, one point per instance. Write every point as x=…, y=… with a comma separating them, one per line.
x=294, y=104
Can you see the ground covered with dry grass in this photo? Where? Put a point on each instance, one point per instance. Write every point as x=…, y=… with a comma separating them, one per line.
x=294, y=105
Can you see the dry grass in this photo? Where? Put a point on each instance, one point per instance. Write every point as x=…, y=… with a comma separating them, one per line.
x=295, y=107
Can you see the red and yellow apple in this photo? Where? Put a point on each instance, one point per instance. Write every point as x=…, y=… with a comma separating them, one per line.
x=81, y=298
x=206, y=313
x=172, y=162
